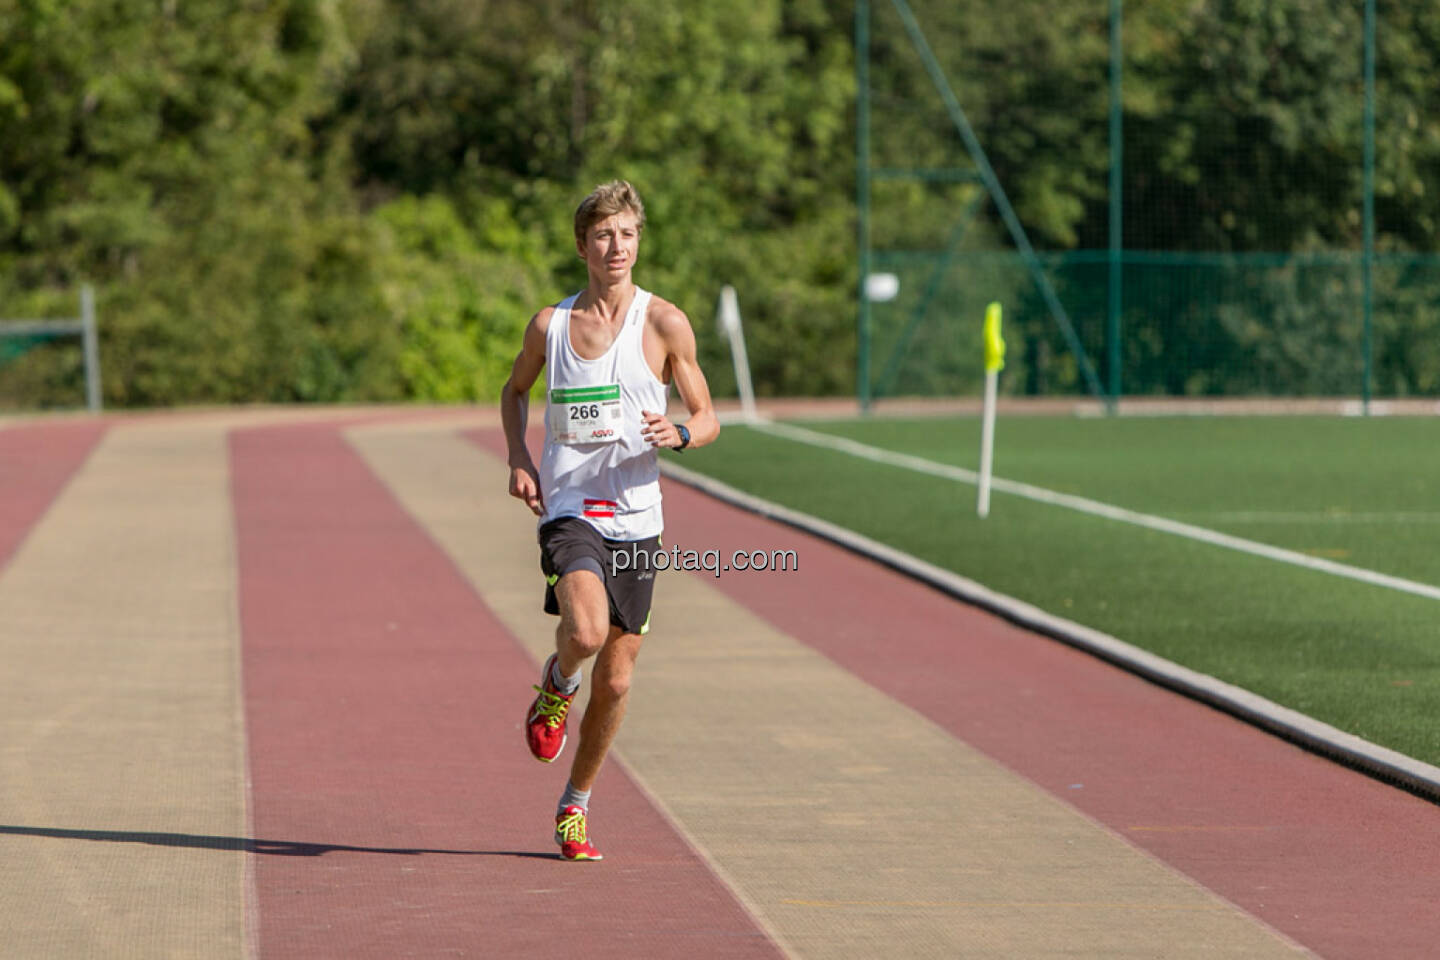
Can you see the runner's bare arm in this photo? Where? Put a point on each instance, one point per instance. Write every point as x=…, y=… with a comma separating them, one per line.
x=515, y=411
x=679, y=340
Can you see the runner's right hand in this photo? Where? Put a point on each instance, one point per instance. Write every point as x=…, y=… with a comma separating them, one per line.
x=525, y=485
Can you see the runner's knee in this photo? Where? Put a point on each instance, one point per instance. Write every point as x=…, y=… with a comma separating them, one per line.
x=615, y=684
x=584, y=614
x=614, y=670
x=584, y=636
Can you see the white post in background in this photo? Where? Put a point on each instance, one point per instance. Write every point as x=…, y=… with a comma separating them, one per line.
x=91, y=346
x=994, y=363
x=729, y=316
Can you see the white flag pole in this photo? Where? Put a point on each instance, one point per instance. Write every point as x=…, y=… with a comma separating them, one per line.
x=987, y=443
x=994, y=362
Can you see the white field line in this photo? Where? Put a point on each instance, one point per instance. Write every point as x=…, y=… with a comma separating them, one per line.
x=1320, y=517
x=1098, y=509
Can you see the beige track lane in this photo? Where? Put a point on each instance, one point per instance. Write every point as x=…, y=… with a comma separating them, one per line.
x=122, y=776
x=851, y=825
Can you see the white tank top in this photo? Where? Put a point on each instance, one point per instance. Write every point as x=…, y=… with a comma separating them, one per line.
x=613, y=484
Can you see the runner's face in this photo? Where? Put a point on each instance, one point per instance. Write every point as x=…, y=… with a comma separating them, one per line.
x=611, y=246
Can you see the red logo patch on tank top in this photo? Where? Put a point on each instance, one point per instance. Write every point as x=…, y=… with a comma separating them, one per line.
x=600, y=508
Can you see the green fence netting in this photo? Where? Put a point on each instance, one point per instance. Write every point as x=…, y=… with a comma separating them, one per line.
x=1191, y=325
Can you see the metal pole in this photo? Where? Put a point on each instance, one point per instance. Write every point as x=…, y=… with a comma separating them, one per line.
x=862, y=197
x=1117, y=183
x=91, y=346
x=1368, y=260
x=729, y=313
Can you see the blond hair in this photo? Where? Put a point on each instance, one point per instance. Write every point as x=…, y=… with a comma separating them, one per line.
x=606, y=201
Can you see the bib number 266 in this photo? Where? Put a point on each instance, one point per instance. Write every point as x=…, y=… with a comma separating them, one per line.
x=588, y=414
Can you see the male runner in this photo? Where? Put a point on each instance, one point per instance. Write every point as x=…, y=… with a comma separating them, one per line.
x=609, y=353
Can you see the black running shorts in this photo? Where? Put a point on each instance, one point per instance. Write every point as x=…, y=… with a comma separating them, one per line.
x=568, y=544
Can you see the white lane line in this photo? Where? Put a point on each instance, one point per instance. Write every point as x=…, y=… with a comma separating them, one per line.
x=1098, y=509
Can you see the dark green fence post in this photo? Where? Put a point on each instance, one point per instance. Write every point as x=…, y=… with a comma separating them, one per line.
x=1112, y=328
x=1367, y=346
x=862, y=198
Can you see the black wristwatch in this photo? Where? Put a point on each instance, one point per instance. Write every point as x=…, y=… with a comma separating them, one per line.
x=684, y=439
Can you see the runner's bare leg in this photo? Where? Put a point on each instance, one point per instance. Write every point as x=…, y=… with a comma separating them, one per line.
x=609, y=693
x=584, y=619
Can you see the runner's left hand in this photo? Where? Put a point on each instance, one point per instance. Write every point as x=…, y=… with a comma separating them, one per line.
x=658, y=431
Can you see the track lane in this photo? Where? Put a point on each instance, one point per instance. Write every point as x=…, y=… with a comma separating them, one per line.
x=121, y=777
x=396, y=810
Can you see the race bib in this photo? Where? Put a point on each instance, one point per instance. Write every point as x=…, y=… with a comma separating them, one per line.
x=585, y=414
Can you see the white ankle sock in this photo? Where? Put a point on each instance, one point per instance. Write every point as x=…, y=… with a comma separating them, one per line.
x=565, y=685
x=573, y=798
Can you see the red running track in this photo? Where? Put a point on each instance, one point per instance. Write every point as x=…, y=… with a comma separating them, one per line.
x=396, y=810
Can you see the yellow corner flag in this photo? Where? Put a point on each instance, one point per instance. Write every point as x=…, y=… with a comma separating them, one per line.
x=994, y=343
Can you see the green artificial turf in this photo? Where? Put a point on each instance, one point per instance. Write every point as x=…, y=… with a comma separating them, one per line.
x=1363, y=492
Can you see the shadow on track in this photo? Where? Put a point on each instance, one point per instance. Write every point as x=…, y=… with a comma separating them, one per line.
x=279, y=848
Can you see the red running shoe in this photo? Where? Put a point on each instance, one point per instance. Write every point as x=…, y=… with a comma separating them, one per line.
x=570, y=834
x=545, y=723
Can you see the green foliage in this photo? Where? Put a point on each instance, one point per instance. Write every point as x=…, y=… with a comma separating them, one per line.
x=363, y=200
x=312, y=201
x=459, y=296
x=166, y=155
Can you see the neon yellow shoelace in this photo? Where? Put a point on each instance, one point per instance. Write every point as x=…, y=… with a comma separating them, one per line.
x=552, y=707
x=572, y=828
